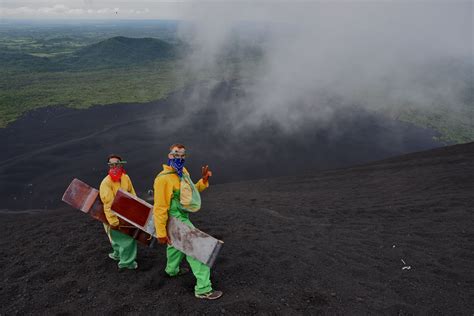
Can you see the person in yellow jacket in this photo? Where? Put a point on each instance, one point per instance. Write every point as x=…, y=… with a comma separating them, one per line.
x=167, y=203
x=124, y=247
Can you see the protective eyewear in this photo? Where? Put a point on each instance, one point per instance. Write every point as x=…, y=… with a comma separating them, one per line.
x=116, y=164
x=178, y=154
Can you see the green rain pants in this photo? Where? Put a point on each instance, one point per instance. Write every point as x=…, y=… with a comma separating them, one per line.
x=174, y=256
x=124, y=248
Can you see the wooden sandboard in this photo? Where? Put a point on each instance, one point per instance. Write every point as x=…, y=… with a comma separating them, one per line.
x=189, y=240
x=85, y=198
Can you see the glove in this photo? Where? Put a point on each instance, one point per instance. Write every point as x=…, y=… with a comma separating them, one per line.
x=164, y=240
x=206, y=173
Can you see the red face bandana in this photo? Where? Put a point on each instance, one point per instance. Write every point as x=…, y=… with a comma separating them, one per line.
x=116, y=173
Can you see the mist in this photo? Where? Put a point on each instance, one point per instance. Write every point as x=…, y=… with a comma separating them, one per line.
x=299, y=64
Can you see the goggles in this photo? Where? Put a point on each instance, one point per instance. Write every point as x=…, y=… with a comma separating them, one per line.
x=116, y=164
x=181, y=153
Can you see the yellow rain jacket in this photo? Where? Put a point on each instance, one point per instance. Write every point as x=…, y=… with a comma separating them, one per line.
x=107, y=191
x=163, y=188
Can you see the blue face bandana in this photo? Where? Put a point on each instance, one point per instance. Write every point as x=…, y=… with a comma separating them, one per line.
x=177, y=164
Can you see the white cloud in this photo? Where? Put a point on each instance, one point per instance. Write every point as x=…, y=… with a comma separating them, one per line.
x=160, y=9
x=84, y=9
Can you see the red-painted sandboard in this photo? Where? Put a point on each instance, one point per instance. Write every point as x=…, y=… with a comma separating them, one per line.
x=85, y=198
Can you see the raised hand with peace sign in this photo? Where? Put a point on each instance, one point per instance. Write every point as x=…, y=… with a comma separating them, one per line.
x=206, y=173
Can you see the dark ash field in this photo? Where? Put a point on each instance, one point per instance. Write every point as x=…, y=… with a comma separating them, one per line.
x=325, y=242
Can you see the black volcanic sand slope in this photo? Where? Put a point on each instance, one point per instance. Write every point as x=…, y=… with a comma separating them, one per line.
x=45, y=149
x=328, y=242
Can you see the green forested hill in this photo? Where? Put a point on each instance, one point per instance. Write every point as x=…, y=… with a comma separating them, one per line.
x=114, y=52
x=119, y=51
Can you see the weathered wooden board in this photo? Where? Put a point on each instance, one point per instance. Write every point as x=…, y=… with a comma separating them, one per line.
x=189, y=240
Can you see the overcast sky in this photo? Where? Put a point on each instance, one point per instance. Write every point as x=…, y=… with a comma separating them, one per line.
x=141, y=9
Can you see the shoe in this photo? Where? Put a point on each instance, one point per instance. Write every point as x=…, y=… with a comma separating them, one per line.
x=212, y=295
x=113, y=257
x=134, y=266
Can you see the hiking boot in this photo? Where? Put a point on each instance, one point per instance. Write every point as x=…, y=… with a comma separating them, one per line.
x=113, y=257
x=212, y=295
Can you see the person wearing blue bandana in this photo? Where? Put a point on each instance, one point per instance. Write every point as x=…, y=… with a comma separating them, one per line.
x=177, y=162
x=170, y=199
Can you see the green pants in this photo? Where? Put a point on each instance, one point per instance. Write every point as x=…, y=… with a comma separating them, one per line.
x=124, y=248
x=200, y=270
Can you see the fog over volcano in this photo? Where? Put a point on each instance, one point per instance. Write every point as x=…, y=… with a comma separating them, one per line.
x=306, y=60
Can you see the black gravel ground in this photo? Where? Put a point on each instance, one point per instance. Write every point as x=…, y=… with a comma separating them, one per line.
x=324, y=242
